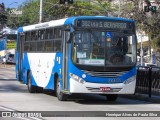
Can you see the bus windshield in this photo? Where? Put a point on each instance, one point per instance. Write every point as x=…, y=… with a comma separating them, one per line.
x=104, y=48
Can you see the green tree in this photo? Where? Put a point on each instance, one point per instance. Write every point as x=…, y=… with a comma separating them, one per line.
x=3, y=18
x=13, y=20
x=53, y=10
x=146, y=21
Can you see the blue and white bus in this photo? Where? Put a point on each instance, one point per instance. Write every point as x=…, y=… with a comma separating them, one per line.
x=84, y=54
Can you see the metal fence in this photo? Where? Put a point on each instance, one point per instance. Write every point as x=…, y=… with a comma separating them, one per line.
x=148, y=80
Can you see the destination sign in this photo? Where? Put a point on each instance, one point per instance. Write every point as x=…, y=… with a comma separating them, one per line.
x=103, y=24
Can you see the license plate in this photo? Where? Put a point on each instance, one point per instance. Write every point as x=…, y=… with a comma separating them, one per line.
x=104, y=89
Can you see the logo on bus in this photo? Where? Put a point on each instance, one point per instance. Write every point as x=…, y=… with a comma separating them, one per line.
x=114, y=80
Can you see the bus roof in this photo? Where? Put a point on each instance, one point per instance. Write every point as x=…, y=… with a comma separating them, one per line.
x=67, y=21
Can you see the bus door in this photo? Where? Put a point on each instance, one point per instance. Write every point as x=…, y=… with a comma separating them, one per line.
x=20, y=56
x=65, y=60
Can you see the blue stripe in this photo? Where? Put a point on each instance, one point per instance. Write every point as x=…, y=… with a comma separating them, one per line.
x=73, y=69
x=20, y=29
x=71, y=20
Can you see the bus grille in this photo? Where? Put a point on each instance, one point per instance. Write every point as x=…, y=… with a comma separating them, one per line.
x=105, y=74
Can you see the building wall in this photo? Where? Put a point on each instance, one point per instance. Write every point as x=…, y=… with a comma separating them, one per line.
x=4, y=52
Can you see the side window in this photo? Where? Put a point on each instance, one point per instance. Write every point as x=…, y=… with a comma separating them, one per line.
x=42, y=34
x=47, y=36
x=41, y=38
x=33, y=35
x=27, y=41
x=49, y=33
x=27, y=36
x=33, y=46
x=49, y=45
x=26, y=46
x=58, y=45
x=39, y=34
x=58, y=33
x=40, y=46
x=58, y=39
x=49, y=39
x=52, y=35
x=36, y=35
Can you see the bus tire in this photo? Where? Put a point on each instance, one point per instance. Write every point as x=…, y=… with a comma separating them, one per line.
x=60, y=95
x=31, y=88
x=112, y=97
x=38, y=89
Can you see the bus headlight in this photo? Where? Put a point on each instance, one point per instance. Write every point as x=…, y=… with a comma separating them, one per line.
x=77, y=78
x=129, y=80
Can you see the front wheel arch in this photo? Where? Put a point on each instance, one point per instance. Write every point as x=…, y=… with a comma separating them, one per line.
x=55, y=82
x=30, y=87
x=60, y=95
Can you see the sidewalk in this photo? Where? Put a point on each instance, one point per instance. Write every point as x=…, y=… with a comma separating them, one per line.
x=6, y=65
x=143, y=97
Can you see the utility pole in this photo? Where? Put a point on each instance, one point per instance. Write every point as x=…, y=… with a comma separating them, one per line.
x=141, y=52
x=119, y=8
x=40, y=11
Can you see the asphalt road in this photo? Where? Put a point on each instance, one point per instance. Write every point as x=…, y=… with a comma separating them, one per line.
x=14, y=97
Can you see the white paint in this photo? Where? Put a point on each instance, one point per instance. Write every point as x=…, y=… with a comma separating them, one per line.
x=52, y=23
x=76, y=87
x=41, y=67
x=84, y=76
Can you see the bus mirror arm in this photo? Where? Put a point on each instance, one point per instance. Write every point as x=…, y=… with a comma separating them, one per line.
x=22, y=33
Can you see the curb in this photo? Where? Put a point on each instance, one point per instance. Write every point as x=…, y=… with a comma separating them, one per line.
x=6, y=65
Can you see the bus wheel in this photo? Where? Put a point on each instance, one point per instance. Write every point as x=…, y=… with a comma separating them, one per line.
x=31, y=88
x=40, y=89
x=60, y=95
x=112, y=97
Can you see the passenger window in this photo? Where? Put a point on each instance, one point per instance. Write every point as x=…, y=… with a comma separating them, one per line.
x=57, y=45
x=48, y=45
x=40, y=46
x=33, y=46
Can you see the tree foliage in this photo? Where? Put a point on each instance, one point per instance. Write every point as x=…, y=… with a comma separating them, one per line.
x=148, y=22
x=53, y=10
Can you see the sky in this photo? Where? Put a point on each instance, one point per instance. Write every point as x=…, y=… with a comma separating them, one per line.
x=12, y=3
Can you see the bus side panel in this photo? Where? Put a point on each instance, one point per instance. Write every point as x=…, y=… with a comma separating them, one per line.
x=21, y=69
x=57, y=69
x=26, y=67
x=17, y=65
x=19, y=72
x=42, y=66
